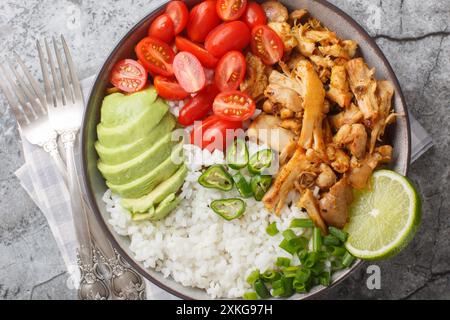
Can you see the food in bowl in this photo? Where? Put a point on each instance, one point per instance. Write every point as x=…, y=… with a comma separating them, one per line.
x=233, y=167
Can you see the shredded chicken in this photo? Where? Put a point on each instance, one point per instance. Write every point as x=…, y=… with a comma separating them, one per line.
x=364, y=86
x=361, y=171
x=326, y=178
x=311, y=205
x=283, y=29
x=297, y=15
x=275, y=11
x=256, y=79
x=313, y=100
x=354, y=137
x=339, y=91
x=349, y=116
x=334, y=204
x=285, y=91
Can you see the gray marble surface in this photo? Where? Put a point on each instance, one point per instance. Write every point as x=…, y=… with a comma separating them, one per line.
x=415, y=36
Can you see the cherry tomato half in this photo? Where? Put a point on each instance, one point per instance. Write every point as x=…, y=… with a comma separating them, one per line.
x=206, y=58
x=229, y=10
x=254, y=15
x=189, y=72
x=234, y=106
x=230, y=71
x=228, y=36
x=162, y=28
x=129, y=76
x=214, y=133
x=169, y=88
x=156, y=56
x=199, y=106
x=267, y=45
x=202, y=19
x=179, y=14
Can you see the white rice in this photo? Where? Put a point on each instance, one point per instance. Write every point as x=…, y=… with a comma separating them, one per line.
x=198, y=248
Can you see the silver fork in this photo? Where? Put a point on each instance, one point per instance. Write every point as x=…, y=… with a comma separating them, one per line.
x=28, y=106
x=65, y=109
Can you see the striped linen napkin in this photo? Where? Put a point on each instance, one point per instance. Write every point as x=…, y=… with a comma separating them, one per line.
x=40, y=178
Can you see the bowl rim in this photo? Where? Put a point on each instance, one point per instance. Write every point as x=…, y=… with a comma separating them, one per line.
x=87, y=185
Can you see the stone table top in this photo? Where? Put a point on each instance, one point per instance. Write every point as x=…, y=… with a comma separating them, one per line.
x=413, y=34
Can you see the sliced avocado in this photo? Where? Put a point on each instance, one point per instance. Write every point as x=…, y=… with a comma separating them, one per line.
x=144, y=204
x=118, y=109
x=128, y=151
x=145, y=184
x=144, y=216
x=165, y=207
x=135, y=128
x=137, y=167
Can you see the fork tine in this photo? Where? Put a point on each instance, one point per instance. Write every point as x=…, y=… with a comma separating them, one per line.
x=45, y=75
x=73, y=75
x=56, y=82
x=21, y=118
x=33, y=82
x=62, y=70
x=33, y=102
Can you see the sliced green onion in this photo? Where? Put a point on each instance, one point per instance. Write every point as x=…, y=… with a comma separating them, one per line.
x=317, y=240
x=283, y=262
x=261, y=289
x=338, y=251
x=288, y=247
x=289, y=234
x=301, y=223
x=303, y=275
x=252, y=277
x=283, y=287
x=331, y=240
x=290, y=272
x=318, y=268
x=250, y=296
x=300, y=287
x=299, y=243
x=303, y=255
x=341, y=235
x=311, y=259
x=347, y=260
x=270, y=276
x=325, y=278
x=272, y=229
x=337, y=265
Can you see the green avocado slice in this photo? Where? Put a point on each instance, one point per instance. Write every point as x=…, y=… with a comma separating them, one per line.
x=161, y=211
x=123, y=153
x=136, y=167
x=135, y=128
x=144, y=204
x=145, y=184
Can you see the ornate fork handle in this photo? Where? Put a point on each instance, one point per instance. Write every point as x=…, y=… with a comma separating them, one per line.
x=92, y=284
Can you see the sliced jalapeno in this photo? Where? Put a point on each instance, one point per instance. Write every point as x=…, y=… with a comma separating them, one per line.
x=260, y=185
x=244, y=188
x=260, y=161
x=237, y=156
x=216, y=177
x=229, y=209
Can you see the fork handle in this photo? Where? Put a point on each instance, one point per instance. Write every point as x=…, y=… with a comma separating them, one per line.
x=78, y=210
x=51, y=147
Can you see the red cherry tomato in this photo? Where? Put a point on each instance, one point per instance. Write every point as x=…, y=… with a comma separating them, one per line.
x=179, y=14
x=199, y=106
x=162, y=28
x=230, y=71
x=202, y=19
x=267, y=45
x=189, y=72
x=214, y=133
x=229, y=10
x=254, y=15
x=169, y=88
x=228, y=36
x=206, y=58
x=234, y=106
x=156, y=56
x=129, y=76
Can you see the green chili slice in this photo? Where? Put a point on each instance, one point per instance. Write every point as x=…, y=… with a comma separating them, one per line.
x=260, y=161
x=243, y=187
x=216, y=177
x=260, y=185
x=229, y=209
x=237, y=156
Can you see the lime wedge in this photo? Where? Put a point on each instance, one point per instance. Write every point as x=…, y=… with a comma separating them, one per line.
x=383, y=217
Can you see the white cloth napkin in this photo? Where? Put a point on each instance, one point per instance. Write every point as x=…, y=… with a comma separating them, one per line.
x=40, y=178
